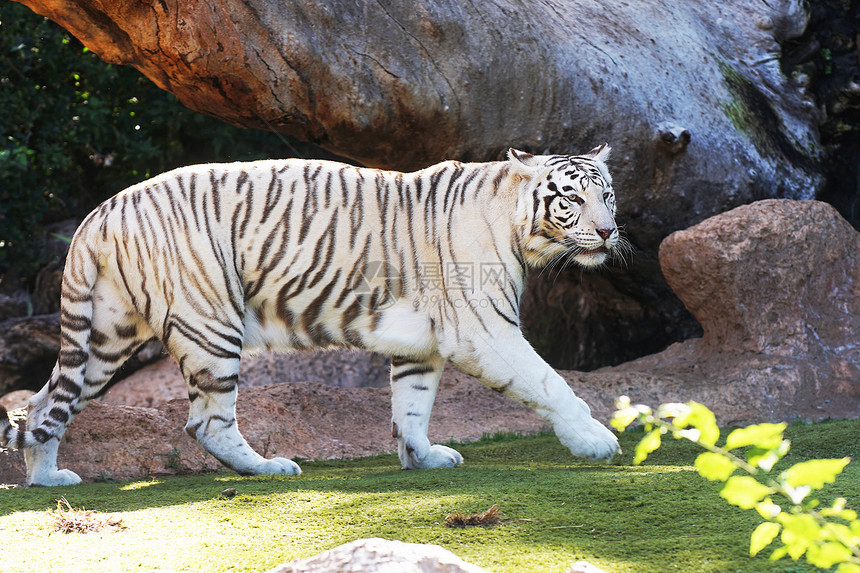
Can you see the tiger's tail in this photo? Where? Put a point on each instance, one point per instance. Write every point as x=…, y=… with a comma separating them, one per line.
x=54, y=406
x=6, y=427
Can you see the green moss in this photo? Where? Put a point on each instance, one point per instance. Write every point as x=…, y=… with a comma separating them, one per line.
x=751, y=112
x=656, y=517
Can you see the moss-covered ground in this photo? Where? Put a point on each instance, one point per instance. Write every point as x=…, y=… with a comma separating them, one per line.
x=653, y=518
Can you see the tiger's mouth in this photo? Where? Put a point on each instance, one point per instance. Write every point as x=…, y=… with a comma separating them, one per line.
x=596, y=251
x=592, y=257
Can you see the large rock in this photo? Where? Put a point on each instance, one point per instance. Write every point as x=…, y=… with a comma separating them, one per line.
x=689, y=93
x=16, y=399
x=776, y=277
x=12, y=307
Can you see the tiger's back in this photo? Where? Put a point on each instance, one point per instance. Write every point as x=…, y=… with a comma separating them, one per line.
x=293, y=254
x=298, y=254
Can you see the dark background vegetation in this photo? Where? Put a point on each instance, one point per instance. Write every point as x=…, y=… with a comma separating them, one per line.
x=827, y=56
x=76, y=130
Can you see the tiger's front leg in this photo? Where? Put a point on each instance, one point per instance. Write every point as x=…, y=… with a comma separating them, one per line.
x=506, y=363
x=413, y=390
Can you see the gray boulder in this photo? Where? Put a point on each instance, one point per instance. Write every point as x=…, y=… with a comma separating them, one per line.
x=377, y=555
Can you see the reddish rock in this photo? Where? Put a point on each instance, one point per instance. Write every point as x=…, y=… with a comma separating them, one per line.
x=775, y=277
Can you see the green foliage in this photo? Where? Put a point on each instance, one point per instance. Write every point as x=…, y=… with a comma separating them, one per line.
x=714, y=466
x=75, y=130
x=827, y=537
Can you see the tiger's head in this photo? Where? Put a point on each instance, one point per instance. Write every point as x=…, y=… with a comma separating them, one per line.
x=567, y=207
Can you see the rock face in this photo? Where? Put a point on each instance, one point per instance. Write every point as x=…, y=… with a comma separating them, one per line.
x=690, y=95
x=381, y=556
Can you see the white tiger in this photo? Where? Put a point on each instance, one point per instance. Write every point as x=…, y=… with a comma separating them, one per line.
x=427, y=267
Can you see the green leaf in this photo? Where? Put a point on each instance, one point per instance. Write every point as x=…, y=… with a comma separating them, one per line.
x=765, y=436
x=836, y=531
x=797, y=549
x=798, y=494
x=744, y=491
x=701, y=418
x=766, y=458
x=762, y=459
x=623, y=418
x=626, y=414
x=838, y=510
x=847, y=514
x=799, y=532
x=814, y=473
x=763, y=535
x=826, y=555
x=714, y=466
x=778, y=553
x=768, y=509
x=646, y=445
x=673, y=410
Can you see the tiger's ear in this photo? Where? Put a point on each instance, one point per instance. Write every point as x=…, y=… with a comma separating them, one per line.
x=516, y=156
x=600, y=153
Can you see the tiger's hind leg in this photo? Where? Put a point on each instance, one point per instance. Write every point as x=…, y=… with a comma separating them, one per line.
x=212, y=375
x=413, y=390
x=41, y=459
x=115, y=331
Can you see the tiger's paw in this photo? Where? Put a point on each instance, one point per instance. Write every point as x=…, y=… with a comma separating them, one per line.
x=278, y=466
x=591, y=440
x=438, y=456
x=54, y=478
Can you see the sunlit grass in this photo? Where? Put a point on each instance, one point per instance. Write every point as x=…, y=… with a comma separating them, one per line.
x=554, y=510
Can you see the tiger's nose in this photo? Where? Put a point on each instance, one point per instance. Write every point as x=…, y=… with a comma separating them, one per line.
x=605, y=233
